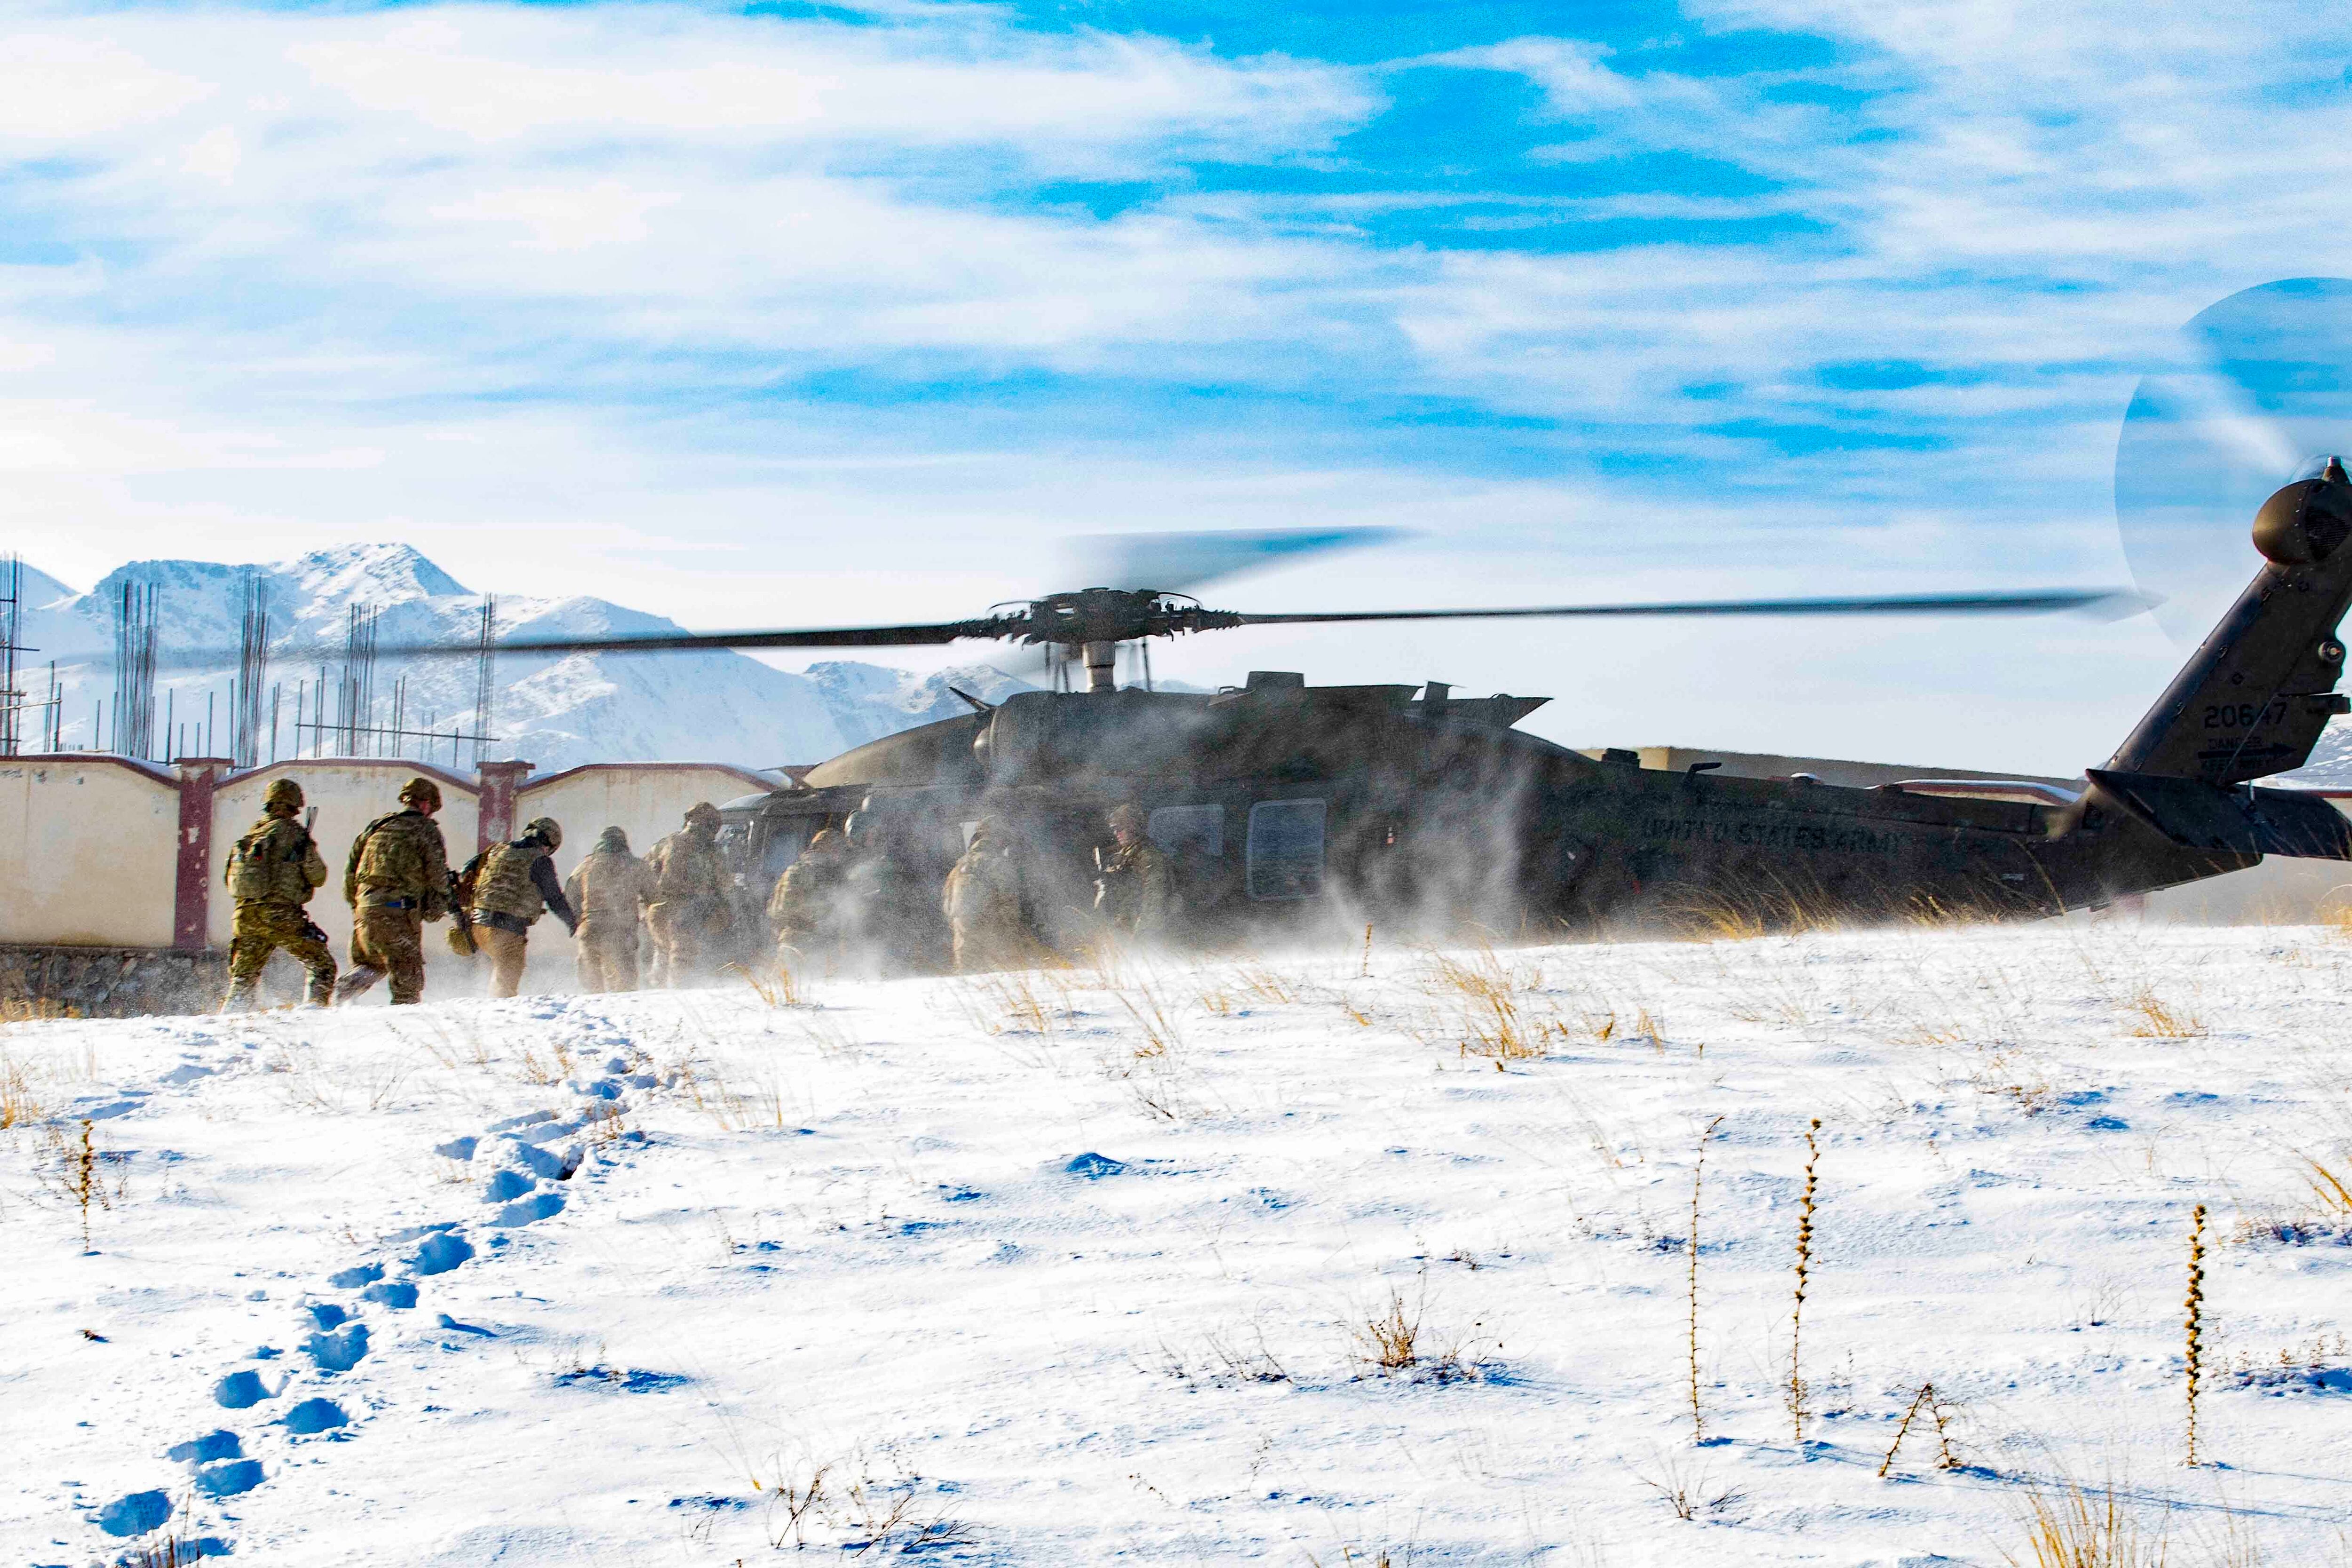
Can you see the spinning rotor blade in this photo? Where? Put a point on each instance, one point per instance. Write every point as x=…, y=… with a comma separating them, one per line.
x=1178, y=563
x=2257, y=391
x=2105, y=601
x=697, y=642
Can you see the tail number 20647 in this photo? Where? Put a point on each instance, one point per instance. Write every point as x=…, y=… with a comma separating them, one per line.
x=2243, y=715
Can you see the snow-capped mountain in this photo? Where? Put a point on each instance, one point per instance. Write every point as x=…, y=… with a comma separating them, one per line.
x=555, y=711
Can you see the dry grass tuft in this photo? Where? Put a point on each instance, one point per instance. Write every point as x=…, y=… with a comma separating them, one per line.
x=18, y=1106
x=1688, y=1489
x=2153, y=1019
x=2071, y=1526
x=1159, y=1037
x=775, y=983
x=2016, y=1076
x=1489, y=1000
x=1391, y=1342
x=2331, y=1190
x=1397, y=1342
x=1013, y=1003
x=1258, y=981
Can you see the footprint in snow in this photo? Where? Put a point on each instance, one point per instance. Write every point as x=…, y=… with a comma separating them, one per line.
x=439, y=1253
x=241, y=1391
x=506, y=1185
x=530, y=1210
x=203, y=1450
x=338, y=1352
x=313, y=1416
x=135, y=1514
x=233, y=1479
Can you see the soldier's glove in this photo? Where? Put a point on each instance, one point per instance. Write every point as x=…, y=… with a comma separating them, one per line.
x=461, y=941
x=311, y=929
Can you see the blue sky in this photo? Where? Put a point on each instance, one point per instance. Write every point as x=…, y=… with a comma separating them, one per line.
x=811, y=313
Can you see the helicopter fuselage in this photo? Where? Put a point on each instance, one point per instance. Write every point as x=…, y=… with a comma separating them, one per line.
x=1290, y=807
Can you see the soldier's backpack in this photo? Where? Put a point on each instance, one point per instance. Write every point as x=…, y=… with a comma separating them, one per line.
x=268, y=865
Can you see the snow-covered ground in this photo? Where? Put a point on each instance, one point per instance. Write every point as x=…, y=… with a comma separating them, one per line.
x=1073, y=1267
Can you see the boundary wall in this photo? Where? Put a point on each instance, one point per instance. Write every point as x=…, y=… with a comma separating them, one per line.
x=105, y=855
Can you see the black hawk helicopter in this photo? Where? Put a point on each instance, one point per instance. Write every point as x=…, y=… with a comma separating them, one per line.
x=1286, y=806
x=1291, y=805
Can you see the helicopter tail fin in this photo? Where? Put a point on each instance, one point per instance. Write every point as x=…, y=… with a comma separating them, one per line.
x=2254, y=699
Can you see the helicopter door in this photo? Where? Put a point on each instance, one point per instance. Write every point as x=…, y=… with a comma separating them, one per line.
x=1286, y=850
x=1196, y=831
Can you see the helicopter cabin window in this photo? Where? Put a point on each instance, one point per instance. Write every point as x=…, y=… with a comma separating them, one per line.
x=1286, y=850
x=1188, y=832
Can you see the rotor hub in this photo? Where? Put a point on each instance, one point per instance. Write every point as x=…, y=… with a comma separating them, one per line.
x=1111, y=615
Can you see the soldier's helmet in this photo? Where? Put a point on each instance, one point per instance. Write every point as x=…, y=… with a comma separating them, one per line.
x=422, y=793
x=613, y=838
x=1128, y=818
x=547, y=830
x=283, y=794
x=701, y=812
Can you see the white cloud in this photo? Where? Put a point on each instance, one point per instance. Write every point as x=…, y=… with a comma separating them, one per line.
x=440, y=272
x=63, y=89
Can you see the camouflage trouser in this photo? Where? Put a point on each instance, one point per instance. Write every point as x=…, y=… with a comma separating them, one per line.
x=683, y=935
x=808, y=951
x=607, y=952
x=261, y=929
x=387, y=942
x=985, y=945
x=505, y=950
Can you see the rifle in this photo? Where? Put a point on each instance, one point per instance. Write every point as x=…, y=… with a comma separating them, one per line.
x=461, y=931
x=311, y=928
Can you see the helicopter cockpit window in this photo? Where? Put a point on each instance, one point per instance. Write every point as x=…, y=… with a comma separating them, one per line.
x=1286, y=850
x=1188, y=832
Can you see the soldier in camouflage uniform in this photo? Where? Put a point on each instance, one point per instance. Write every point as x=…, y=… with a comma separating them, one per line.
x=509, y=886
x=271, y=873
x=984, y=905
x=689, y=912
x=804, y=912
x=396, y=879
x=1136, y=891
x=609, y=890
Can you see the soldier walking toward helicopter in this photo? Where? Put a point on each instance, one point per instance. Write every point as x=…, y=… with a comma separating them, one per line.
x=609, y=890
x=983, y=904
x=397, y=878
x=271, y=873
x=804, y=912
x=509, y=886
x=1136, y=891
x=689, y=911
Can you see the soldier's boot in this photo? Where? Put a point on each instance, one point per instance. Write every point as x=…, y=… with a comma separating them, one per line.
x=320, y=992
x=242, y=997
x=356, y=983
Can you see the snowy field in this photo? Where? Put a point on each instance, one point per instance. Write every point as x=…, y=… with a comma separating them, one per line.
x=1082, y=1267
